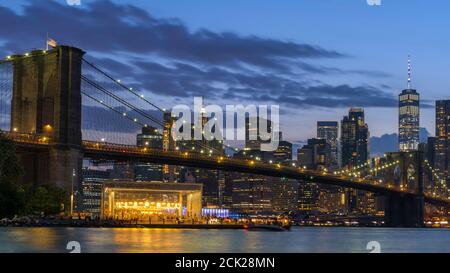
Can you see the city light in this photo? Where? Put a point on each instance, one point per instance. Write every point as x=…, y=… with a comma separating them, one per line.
x=89, y=163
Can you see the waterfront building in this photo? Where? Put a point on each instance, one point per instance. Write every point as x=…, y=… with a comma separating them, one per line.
x=284, y=195
x=331, y=200
x=91, y=190
x=151, y=202
x=252, y=194
x=308, y=196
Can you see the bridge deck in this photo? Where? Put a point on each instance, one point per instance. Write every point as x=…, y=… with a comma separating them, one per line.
x=109, y=151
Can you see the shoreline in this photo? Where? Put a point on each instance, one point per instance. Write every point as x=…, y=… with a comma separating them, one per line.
x=148, y=226
x=199, y=226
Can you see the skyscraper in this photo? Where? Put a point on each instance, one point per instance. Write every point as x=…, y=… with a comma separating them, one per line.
x=284, y=194
x=328, y=130
x=314, y=155
x=442, y=148
x=149, y=138
x=409, y=117
x=253, y=139
x=252, y=194
x=91, y=188
x=283, y=153
x=355, y=151
x=354, y=138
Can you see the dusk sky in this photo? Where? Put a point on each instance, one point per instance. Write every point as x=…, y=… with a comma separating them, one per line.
x=315, y=58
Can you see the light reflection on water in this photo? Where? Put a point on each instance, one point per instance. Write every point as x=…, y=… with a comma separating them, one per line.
x=232, y=241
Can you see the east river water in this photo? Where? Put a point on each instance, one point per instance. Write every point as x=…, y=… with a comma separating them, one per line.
x=299, y=239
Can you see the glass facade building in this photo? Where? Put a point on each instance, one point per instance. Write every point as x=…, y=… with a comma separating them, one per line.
x=409, y=120
x=329, y=130
x=442, y=142
x=354, y=138
x=152, y=139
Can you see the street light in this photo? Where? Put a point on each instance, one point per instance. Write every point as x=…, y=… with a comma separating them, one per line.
x=71, y=194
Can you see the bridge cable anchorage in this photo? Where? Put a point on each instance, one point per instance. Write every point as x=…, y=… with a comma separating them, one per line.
x=122, y=85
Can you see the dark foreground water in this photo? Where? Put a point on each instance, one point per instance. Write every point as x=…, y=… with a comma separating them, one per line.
x=303, y=239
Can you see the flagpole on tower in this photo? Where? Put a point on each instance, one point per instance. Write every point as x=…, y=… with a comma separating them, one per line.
x=409, y=72
x=46, y=43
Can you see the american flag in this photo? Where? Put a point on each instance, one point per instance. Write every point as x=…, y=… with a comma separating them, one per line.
x=52, y=42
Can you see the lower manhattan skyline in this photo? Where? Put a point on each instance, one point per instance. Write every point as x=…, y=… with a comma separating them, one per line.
x=232, y=135
x=306, y=68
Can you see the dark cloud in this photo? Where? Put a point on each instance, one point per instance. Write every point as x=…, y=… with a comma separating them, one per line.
x=104, y=26
x=164, y=57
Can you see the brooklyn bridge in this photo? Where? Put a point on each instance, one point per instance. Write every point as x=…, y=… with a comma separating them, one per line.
x=44, y=94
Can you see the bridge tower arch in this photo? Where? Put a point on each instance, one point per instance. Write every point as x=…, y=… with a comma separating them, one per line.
x=46, y=101
x=402, y=209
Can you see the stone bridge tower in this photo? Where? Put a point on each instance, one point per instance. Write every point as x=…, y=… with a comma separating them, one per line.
x=401, y=209
x=47, y=101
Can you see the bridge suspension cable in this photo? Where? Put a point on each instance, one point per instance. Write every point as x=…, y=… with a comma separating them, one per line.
x=110, y=94
x=112, y=109
x=129, y=89
x=121, y=101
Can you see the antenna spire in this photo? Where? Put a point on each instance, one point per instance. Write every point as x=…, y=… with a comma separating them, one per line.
x=409, y=72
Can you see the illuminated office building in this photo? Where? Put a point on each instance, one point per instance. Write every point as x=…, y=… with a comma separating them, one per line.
x=316, y=154
x=252, y=194
x=91, y=186
x=409, y=117
x=308, y=196
x=355, y=151
x=354, y=138
x=284, y=194
x=329, y=130
x=442, y=145
x=152, y=139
